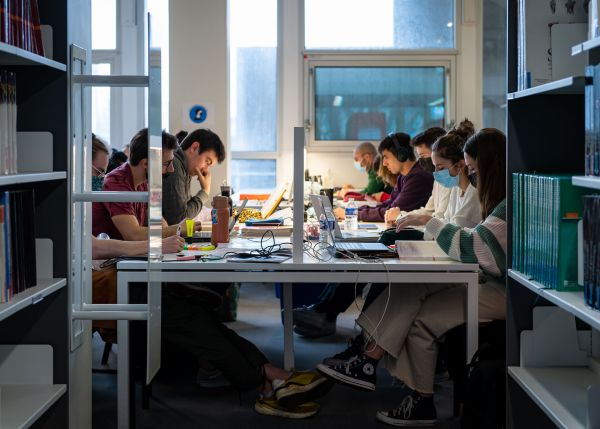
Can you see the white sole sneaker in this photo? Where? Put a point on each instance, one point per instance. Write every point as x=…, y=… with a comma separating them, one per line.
x=403, y=423
x=345, y=379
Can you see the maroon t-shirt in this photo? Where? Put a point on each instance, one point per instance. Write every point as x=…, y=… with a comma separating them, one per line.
x=120, y=179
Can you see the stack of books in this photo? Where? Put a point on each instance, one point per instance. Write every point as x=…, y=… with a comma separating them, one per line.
x=17, y=243
x=8, y=123
x=546, y=210
x=591, y=250
x=20, y=25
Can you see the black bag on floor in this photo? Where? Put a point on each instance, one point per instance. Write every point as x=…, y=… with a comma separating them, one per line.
x=484, y=401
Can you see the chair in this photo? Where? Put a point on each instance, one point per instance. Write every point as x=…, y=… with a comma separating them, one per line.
x=452, y=350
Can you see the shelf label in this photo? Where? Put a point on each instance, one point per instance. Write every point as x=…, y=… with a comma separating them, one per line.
x=36, y=298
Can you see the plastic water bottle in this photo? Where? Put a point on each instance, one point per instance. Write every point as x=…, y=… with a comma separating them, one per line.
x=323, y=230
x=351, y=216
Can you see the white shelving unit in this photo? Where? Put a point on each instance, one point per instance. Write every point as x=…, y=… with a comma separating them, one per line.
x=22, y=405
x=13, y=56
x=587, y=182
x=568, y=85
x=562, y=393
x=588, y=45
x=30, y=296
x=572, y=302
x=15, y=179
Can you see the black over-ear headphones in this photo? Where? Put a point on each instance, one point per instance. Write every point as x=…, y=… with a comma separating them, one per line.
x=402, y=152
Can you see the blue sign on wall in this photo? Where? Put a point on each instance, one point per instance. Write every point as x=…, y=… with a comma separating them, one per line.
x=198, y=114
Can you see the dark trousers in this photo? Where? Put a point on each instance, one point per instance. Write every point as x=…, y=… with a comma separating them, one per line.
x=336, y=298
x=193, y=325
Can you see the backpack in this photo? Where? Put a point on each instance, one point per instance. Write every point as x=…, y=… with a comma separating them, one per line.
x=484, y=394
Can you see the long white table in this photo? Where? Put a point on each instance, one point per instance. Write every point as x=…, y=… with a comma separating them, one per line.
x=309, y=271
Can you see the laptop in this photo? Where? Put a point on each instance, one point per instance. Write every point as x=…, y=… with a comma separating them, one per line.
x=322, y=203
x=358, y=248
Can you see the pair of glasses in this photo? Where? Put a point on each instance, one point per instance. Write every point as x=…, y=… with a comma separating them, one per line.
x=101, y=172
x=168, y=163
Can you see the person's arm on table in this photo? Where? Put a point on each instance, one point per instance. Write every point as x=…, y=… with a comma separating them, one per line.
x=104, y=249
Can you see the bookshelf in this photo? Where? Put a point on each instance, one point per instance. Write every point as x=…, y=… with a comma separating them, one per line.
x=40, y=315
x=546, y=135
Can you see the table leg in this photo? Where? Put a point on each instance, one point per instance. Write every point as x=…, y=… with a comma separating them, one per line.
x=472, y=316
x=123, y=381
x=288, y=326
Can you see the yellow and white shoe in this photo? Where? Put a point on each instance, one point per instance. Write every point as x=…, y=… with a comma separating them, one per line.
x=271, y=407
x=301, y=387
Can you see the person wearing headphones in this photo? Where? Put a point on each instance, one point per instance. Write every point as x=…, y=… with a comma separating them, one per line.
x=413, y=186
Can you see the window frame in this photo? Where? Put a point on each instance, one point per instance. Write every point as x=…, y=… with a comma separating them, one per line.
x=446, y=59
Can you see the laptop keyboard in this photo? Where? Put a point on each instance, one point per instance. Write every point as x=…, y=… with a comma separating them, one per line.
x=350, y=246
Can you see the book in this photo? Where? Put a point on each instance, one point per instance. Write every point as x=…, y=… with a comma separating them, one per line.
x=591, y=250
x=20, y=25
x=546, y=210
x=420, y=251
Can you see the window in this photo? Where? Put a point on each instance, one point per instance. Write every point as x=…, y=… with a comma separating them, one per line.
x=374, y=69
x=104, y=51
x=253, y=94
x=367, y=103
x=379, y=24
x=159, y=35
x=101, y=104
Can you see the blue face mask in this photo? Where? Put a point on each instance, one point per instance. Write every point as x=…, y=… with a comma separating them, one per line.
x=444, y=178
x=97, y=183
x=360, y=167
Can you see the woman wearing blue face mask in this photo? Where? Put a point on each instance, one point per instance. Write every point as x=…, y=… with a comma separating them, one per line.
x=451, y=172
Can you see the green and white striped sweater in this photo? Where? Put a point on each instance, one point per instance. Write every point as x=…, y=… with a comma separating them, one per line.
x=485, y=244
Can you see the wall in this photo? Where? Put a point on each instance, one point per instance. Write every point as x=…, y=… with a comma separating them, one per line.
x=204, y=22
x=198, y=60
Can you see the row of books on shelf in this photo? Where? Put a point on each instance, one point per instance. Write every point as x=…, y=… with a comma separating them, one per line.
x=554, y=225
x=591, y=250
x=592, y=121
x=17, y=243
x=8, y=122
x=20, y=25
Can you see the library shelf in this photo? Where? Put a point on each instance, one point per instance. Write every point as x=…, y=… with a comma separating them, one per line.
x=560, y=392
x=30, y=296
x=12, y=56
x=591, y=182
x=566, y=86
x=22, y=405
x=571, y=302
x=588, y=45
x=15, y=179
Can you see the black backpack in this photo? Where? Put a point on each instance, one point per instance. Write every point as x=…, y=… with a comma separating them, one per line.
x=484, y=394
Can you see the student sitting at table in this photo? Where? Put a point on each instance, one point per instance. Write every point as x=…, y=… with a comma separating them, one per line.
x=127, y=221
x=386, y=177
x=199, y=151
x=364, y=159
x=404, y=323
x=413, y=186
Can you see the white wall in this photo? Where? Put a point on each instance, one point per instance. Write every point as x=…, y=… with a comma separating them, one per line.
x=198, y=38
x=198, y=61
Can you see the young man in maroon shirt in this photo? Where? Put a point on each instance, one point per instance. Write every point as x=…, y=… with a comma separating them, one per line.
x=127, y=221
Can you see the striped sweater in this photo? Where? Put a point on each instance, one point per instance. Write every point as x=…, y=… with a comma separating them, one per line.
x=485, y=244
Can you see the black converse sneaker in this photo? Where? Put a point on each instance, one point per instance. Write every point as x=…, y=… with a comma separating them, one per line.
x=359, y=371
x=355, y=348
x=415, y=410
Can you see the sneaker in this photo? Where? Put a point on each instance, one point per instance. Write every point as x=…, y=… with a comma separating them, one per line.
x=414, y=410
x=327, y=329
x=300, y=388
x=355, y=347
x=309, y=323
x=358, y=371
x=211, y=378
x=270, y=407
